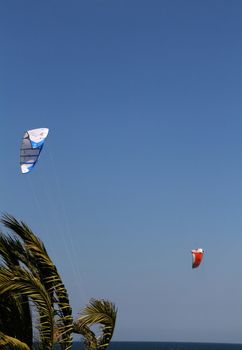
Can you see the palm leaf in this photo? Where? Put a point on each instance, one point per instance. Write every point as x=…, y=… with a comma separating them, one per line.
x=15, y=317
x=15, y=314
x=89, y=338
x=48, y=274
x=7, y=343
x=103, y=312
x=99, y=311
x=13, y=252
x=22, y=282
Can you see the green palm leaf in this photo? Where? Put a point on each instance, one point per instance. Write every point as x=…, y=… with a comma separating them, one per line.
x=7, y=342
x=90, y=341
x=48, y=275
x=19, y=326
x=13, y=252
x=22, y=282
x=15, y=317
x=101, y=312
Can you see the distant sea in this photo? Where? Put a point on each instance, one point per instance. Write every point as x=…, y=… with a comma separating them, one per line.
x=166, y=346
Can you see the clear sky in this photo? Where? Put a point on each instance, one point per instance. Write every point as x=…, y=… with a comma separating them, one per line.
x=143, y=162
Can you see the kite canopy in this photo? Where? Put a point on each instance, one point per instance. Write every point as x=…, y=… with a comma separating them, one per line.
x=197, y=255
x=32, y=144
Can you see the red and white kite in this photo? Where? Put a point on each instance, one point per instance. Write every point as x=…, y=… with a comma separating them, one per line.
x=197, y=255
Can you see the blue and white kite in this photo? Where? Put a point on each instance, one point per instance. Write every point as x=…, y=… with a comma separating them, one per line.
x=32, y=144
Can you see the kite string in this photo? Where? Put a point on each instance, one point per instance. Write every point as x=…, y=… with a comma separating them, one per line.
x=36, y=202
x=39, y=210
x=64, y=215
x=48, y=199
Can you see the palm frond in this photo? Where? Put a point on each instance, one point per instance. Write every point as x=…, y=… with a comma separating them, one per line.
x=7, y=343
x=48, y=274
x=21, y=282
x=101, y=312
x=6, y=250
x=13, y=253
x=15, y=317
x=89, y=338
x=31, y=241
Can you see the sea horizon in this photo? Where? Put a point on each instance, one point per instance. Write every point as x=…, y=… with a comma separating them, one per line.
x=165, y=345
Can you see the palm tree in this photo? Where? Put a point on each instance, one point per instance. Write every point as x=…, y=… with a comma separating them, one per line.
x=28, y=272
x=101, y=312
x=29, y=278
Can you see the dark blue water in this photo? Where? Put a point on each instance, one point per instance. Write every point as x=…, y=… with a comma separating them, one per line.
x=166, y=346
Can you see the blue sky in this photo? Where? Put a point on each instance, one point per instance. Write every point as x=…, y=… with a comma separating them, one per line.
x=143, y=161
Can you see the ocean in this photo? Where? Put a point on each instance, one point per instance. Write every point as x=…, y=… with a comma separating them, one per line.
x=166, y=346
